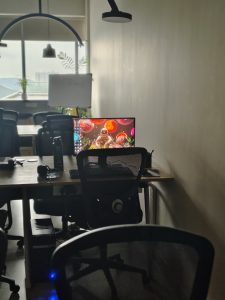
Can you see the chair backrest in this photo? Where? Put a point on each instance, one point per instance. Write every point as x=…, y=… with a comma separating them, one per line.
x=3, y=249
x=41, y=116
x=43, y=142
x=62, y=125
x=11, y=115
x=178, y=264
x=110, y=181
x=9, y=138
x=55, y=125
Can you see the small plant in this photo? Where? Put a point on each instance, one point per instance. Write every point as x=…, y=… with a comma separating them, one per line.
x=23, y=83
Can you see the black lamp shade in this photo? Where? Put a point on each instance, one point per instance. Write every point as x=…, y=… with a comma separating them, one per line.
x=115, y=16
x=49, y=52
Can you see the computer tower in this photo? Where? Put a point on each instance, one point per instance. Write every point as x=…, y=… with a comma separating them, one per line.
x=43, y=245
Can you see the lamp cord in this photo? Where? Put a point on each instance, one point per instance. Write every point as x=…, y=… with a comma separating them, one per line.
x=48, y=21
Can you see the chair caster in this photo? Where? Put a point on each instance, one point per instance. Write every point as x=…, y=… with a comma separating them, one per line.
x=20, y=244
x=14, y=288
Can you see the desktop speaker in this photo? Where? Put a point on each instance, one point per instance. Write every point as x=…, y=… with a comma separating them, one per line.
x=43, y=245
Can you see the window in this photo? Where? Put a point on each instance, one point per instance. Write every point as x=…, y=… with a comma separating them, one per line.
x=10, y=69
x=36, y=67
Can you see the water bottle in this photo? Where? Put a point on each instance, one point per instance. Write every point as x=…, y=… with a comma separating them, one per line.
x=58, y=153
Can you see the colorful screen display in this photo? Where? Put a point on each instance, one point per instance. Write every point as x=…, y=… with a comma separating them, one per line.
x=95, y=133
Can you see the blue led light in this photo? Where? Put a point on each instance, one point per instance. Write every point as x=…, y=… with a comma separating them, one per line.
x=53, y=297
x=52, y=275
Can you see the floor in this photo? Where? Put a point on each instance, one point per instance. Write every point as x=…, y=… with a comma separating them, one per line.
x=15, y=266
x=15, y=263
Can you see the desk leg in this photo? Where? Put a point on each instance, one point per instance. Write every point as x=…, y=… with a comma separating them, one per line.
x=147, y=203
x=34, y=144
x=154, y=203
x=27, y=236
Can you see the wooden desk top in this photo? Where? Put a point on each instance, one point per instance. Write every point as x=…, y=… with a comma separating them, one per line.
x=28, y=130
x=26, y=175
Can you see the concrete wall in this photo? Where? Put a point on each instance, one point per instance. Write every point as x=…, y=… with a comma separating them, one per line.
x=166, y=68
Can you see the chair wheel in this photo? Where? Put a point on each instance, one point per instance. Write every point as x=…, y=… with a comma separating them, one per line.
x=14, y=288
x=20, y=244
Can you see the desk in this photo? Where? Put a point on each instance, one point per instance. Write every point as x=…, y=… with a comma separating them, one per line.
x=25, y=177
x=147, y=182
x=29, y=131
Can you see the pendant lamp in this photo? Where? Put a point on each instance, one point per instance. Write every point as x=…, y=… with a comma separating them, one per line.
x=48, y=52
x=115, y=15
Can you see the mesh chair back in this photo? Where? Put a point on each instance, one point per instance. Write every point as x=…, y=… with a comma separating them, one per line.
x=43, y=142
x=11, y=115
x=56, y=125
x=10, y=139
x=178, y=264
x=62, y=125
x=41, y=116
x=110, y=181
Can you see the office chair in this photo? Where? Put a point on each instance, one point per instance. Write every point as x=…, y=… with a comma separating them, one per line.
x=110, y=180
x=68, y=203
x=62, y=125
x=41, y=116
x=9, y=134
x=9, y=148
x=3, y=251
x=178, y=264
x=55, y=125
x=11, y=115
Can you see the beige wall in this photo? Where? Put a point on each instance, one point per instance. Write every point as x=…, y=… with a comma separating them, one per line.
x=167, y=68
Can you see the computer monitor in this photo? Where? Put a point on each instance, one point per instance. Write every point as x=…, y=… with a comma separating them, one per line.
x=95, y=133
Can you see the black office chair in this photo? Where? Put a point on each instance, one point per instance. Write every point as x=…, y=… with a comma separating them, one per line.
x=178, y=264
x=9, y=145
x=3, y=251
x=68, y=203
x=9, y=148
x=41, y=116
x=11, y=115
x=62, y=125
x=55, y=125
x=110, y=181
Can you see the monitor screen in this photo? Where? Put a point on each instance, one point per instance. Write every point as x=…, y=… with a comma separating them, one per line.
x=95, y=133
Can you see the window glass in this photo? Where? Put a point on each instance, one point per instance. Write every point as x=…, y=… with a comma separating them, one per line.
x=38, y=68
x=82, y=59
x=10, y=70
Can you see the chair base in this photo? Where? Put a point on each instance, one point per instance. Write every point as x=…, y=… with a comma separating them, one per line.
x=20, y=239
x=12, y=285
